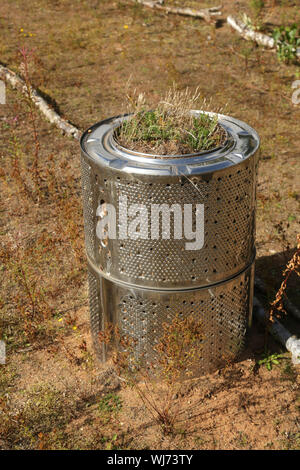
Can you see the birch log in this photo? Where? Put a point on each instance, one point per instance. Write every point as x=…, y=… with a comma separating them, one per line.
x=207, y=14
x=18, y=83
x=251, y=35
x=291, y=342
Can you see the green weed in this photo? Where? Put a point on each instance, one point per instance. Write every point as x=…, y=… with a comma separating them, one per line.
x=109, y=406
x=288, y=41
x=242, y=440
x=271, y=360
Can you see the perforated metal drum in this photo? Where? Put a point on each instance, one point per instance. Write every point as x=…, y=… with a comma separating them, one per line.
x=141, y=278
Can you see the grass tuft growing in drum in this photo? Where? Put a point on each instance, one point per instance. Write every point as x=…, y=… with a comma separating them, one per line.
x=170, y=128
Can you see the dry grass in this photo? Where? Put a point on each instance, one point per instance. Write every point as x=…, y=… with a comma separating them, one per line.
x=293, y=266
x=170, y=128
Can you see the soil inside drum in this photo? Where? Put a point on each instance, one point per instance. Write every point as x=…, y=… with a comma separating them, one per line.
x=169, y=148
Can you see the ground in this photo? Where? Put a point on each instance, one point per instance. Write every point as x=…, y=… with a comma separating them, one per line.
x=85, y=52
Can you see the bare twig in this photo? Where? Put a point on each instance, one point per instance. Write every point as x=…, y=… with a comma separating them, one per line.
x=19, y=84
x=25, y=53
x=251, y=35
x=290, y=307
x=206, y=14
x=293, y=266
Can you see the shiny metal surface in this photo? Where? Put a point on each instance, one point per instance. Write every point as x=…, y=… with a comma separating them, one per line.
x=224, y=181
x=225, y=312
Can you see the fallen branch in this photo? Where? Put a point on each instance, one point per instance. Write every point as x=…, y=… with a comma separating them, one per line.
x=251, y=35
x=19, y=84
x=206, y=14
x=280, y=333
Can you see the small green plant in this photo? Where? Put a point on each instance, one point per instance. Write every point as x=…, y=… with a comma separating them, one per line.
x=110, y=442
x=290, y=440
x=288, y=40
x=242, y=440
x=271, y=360
x=170, y=128
x=109, y=406
x=257, y=6
x=269, y=445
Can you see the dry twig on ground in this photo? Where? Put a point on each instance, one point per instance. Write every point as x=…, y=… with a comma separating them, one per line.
x=292, y=266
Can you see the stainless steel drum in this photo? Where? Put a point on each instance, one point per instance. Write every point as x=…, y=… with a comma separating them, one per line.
x=140, y=281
